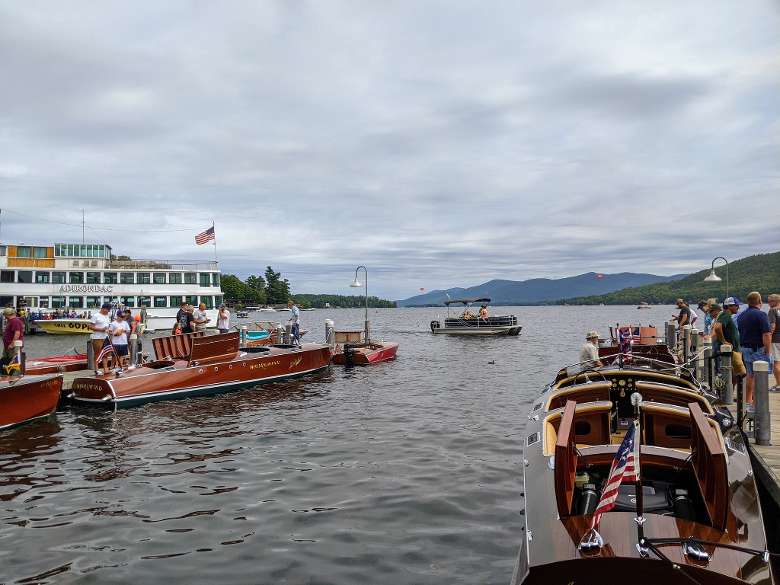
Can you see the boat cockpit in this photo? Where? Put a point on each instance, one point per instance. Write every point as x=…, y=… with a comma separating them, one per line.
x=584, y=418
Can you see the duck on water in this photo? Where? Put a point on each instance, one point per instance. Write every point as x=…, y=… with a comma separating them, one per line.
x=694, y=515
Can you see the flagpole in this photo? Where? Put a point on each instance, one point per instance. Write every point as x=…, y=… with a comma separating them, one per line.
x=636, y=400
x=214, y=240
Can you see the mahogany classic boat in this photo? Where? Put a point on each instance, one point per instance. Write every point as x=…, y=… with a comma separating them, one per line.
x=56, y=363
x=26, y=398
x=693, y=517
x=365, y=354
x=196, y=365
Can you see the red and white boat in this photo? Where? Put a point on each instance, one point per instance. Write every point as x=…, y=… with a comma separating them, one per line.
x=365, y=354
x=26, y=398
x=197, y=365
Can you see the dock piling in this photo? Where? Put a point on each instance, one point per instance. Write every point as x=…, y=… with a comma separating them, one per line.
x=671, y=336
x=686, y=352
x=329, y=333
x=727, y=393
x=90, y=355
x=762, y=421
x=133, y=349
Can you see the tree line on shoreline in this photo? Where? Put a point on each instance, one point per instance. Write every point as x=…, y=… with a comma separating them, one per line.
x=272, y=289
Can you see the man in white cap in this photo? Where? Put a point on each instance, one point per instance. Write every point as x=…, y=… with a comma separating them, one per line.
x=589, y=354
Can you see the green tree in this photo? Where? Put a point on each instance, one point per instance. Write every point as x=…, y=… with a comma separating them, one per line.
x=234, y=289
x=277, y=288
x=256, y=289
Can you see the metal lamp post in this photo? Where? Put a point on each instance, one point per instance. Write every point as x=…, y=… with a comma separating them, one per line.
x=714, y=277
x=356, y=284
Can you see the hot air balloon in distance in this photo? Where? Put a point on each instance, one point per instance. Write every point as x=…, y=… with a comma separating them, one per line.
x=599, y=275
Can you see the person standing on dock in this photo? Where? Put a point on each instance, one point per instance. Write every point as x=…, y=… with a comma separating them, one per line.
x=724, y=330
x=774, y=324
x=755, y=338
x=223, y=319
x=201, y=317
x=589, y=354
x=185, y=318
x=13, y=331
x=119, y=328
x=684, y=316
x=100, y=323
x=295, y=322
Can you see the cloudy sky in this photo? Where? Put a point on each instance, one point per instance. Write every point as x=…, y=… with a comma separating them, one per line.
x=439, y=143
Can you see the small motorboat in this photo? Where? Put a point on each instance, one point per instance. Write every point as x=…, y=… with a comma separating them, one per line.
x=27, y=398
x=242, y=314
x=195, y=364
x=266, y=310
x=469, y=323
x=365, y=354
x=53, y=364
x=63, y=326
x=688, y=510
x=643, y=305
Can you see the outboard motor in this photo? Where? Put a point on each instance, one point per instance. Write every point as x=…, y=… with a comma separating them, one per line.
x=589, y=499
x=435, y=325
x=349, y=355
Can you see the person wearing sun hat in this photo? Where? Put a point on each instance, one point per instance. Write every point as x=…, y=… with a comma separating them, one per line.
x=589, y=353
x=13, y=331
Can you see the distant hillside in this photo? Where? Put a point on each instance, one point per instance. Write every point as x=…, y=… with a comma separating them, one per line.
x=538, y=290
x=761, y=273
x=340, y=301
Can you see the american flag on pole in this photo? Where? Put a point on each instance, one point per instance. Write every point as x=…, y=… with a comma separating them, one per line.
x=204, y=237
x=107, y=350
x=625, y=340
x=625, y=467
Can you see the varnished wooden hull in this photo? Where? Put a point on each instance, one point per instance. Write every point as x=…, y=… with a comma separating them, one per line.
x=26, y=398
x=181, y=381
x=56, y=364
x=364, y=356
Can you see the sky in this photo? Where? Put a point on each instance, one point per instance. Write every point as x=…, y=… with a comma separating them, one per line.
x=438, y=143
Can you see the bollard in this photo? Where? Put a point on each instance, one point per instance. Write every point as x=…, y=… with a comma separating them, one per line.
x=244, y=334
x=686, y=350
x=330, y=336
x=20, y=356
x=90, y=355
x=671, y=335
x=133, y=349
x=727, y=394
x=280, y=333
x=288, y=333
x=707, y=363
x=761, y=422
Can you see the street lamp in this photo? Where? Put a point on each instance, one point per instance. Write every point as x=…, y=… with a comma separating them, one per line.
x=712, y=277
x=356, y=284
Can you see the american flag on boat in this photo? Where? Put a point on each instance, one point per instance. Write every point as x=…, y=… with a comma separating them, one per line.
x=625, y=340
x=625, y=468
x=107, y=350
x=204, y=237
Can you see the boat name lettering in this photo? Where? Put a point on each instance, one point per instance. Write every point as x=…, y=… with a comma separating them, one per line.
x=82, y=386
x=86, y=288
x=263, y=365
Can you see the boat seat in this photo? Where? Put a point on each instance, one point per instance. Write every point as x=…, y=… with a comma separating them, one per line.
x=597, y=391
x=214, y=348
x=174, y=347
x=672, y=395
x=590, y=424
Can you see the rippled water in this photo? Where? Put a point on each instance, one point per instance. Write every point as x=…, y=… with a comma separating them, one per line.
x=404, y=472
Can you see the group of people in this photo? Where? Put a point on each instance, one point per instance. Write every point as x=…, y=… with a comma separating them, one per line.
x=115, y=331
x=483, y=313
x=189, y=319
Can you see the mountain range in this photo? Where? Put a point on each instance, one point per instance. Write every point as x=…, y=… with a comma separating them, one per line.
x=540, y=290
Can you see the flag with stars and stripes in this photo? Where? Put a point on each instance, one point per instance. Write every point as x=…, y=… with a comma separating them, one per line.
x=204, y=237
x=625, y=468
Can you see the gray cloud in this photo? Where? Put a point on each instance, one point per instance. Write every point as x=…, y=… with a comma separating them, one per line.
x=439, y=144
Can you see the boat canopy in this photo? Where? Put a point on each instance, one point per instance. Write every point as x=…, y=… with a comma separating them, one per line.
x=465, y=301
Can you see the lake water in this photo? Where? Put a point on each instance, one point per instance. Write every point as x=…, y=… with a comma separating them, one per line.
x=407, y=472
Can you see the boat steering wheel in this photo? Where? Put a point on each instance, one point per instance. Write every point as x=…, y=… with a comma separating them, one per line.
x=586, y=371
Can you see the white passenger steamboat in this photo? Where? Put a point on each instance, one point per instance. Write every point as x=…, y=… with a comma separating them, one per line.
x=81, y=277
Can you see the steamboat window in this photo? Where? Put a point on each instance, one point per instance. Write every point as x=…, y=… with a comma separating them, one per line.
x=160, y=302
x=190, y=278
x=24, y=276
x=76, y=277
x=215, y=279
x=58, y=277
x=144, y=301
x=128, y=301
x=93, y=302
x=39, y=252
x=93, y=278
x=159, y=278
x=42, y=277
x=23, y=252
x=218, y=300
x=205, y=279
x=191, y=300
x=144, y=278
x=58, y=302
x=43, y=303
x=174, y=278
x=208, y=301
x=110, y=278
x=176, y=301
x=6, y=275
x=3, y=251
x=76, y=302
x=127, y=277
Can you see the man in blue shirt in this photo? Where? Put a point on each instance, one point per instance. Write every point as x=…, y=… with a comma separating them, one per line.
x=295, y=321
x=755, y=338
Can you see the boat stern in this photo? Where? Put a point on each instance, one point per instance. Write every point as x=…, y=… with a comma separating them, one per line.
x=92, y=390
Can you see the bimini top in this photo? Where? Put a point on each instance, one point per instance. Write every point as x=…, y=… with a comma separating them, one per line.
x=465, y=301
